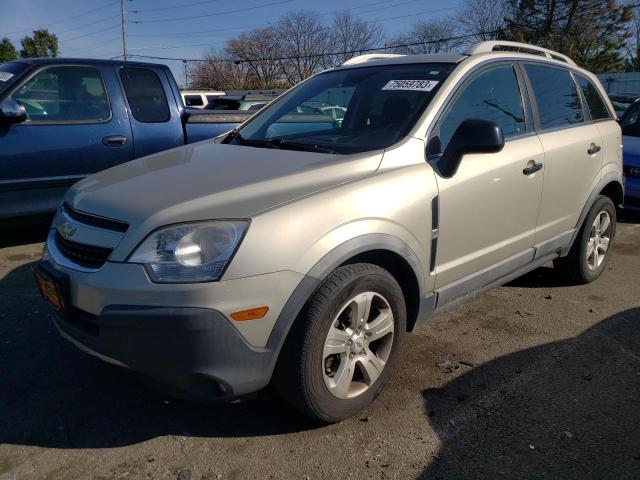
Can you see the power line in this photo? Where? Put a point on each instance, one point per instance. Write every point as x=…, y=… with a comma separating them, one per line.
x=217, y=14
x=184, y=5
x=172, y=47
x=205, y=33
x=112, y=27
x=316, y=55
x=89, y=24
x=66, y=19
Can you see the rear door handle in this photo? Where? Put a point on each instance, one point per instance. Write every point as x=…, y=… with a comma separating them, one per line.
x=593, y=149
x=114, y=141
x=532, y=168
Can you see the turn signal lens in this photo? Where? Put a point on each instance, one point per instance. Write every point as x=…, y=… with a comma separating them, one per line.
x=251, y=314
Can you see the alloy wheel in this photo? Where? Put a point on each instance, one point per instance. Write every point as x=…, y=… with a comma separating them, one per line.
x=599, y=239
x=357, y=345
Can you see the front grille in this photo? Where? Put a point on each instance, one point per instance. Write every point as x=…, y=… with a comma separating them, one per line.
x=94, y=220
x=632, y=171
x=86, y=256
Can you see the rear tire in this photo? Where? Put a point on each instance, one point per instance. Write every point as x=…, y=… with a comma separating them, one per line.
x=591, y=249
x=344, y=345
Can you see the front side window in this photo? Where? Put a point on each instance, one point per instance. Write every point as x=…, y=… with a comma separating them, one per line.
x=493, y=95
x=145, y=95
x=556, y=96
x=65, y=94
x=596, y=105
x=347, y=110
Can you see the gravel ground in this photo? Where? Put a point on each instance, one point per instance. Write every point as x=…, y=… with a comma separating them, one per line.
x=536, y=380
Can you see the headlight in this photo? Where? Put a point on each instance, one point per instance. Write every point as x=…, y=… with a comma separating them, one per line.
x=190, y=252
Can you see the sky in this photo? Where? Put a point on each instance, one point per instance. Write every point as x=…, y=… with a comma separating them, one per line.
x=186, y=28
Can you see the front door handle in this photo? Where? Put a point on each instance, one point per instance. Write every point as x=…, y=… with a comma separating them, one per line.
x=593, y=149
x=532, y=168
x=114, y=141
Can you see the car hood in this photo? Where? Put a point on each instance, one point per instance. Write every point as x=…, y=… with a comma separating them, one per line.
x=631, y=151
x=206, y=180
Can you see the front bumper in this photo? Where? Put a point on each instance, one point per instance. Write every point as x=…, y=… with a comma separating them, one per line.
x=193, y=353
x=181, y=336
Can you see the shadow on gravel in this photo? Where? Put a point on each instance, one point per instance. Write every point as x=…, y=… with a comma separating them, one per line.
x=628, y=216
x=53, y=395
x=24, y=231
x=567, y=409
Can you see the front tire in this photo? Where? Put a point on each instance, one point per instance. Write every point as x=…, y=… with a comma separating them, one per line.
x=343, y=347
x=591, y=250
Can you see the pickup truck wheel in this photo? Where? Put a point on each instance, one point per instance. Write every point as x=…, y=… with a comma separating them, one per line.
x=343, y=347
x=590, y=252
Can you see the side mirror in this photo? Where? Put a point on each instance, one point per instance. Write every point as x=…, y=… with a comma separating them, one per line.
x=12, y=112
x=472, y=136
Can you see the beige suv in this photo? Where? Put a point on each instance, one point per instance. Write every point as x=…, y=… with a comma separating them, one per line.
x=300, y=249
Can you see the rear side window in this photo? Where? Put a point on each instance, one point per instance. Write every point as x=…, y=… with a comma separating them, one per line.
x=193, y=101
x=145, y=95
x=596, y=105
x=65, y=94
x=493, y=95
x=556, y=96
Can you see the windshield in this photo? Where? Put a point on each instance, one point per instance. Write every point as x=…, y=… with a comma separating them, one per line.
x=630, y=122
x=9, y=72
x=347, y=111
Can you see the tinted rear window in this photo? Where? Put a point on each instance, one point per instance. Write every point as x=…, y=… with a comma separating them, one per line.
x=145, y=94
x=556, y=96
x=596, y=105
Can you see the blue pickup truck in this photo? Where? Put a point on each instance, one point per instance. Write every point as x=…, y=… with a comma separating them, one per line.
x=64, y=119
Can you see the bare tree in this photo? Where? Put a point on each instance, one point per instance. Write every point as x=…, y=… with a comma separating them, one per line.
x=257, y=50
x=482, y=19
x=219, y=71
x=304, y=42
x=431, y=36
x=353, y=35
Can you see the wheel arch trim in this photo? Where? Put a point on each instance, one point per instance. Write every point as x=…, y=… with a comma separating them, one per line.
x=329, y=262
x=606, y=179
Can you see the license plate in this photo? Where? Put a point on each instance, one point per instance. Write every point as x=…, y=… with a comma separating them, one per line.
x=50, y=290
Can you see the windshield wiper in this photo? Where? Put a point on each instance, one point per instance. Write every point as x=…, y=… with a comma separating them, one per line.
x=306, y=147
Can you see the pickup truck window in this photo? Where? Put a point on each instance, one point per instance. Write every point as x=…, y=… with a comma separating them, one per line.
x=65, y=94
x=145, y=95
x=347, y=110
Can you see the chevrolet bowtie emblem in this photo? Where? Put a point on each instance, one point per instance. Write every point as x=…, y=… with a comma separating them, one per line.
x=66, y=230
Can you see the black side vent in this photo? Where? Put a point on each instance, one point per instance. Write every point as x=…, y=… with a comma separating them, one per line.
x=435, y=232
x=94, y=220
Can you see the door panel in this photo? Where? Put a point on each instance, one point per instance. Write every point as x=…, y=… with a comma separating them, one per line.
x=488, y=210
x=611, y=141
x=571, y=174
x=62, y=141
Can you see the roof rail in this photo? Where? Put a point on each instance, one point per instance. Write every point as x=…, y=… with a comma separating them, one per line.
x=503, y=45
x=370, y=57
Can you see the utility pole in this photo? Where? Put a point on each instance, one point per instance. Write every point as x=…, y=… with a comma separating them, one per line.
x=124, y=31
x=186, y=73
